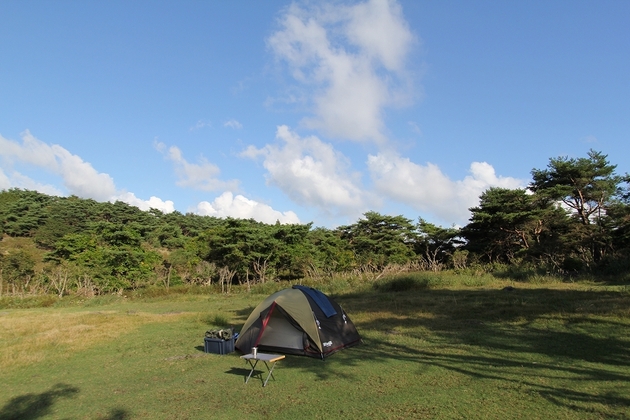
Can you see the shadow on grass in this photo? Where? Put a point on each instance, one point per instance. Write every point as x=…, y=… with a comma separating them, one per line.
x=33, y=406
x=549, y=342
x=257, y=375
x=240, y=372
x=117, y=414
x=243, y=314
x=580, y=325
x=512, y=373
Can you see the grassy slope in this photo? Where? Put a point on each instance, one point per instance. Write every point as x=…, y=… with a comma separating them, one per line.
x=549, y=351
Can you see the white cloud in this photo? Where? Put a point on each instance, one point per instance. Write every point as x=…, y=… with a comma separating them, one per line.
x=152, y=203
x=311, y=173
x=200, y=124
x=426, y=188
x=233, y=124
x=228, y=205
x=353, y=57
x=589, y=139
x=18, y=180
x=78, y=176
x=378, y=27
x=202, y=176
x=5, y=183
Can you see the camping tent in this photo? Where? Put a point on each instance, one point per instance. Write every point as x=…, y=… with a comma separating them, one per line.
x=300, y=320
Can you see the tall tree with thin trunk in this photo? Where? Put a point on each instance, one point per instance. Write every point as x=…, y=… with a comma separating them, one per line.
x=584, y=184
x=587, y=187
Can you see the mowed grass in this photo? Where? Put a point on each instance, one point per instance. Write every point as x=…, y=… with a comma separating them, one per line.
x=438, y=347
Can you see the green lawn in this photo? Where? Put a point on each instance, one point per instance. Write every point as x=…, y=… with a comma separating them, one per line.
x=551, y=351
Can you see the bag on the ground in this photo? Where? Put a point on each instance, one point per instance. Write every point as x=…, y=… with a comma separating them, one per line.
x=220, y=334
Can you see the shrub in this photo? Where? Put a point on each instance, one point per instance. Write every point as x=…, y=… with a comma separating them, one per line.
x=219, y=320
x=405, y=282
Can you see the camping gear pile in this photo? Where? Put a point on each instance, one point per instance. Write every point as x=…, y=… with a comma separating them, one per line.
x=220, y=334
x=220, y=341
x=300, y=320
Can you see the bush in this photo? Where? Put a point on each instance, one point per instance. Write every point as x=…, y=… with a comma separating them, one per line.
x=405, y=282
x=269, y=287
x=517, y=272
x=219, y=320
x=40, y=301
x=181, y=289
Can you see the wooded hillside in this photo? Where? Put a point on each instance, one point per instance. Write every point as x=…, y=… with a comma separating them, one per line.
x=573, y=218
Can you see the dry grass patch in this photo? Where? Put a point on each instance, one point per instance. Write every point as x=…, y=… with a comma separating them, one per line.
x=31, y=336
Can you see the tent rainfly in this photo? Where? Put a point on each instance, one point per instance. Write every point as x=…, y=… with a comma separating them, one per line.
x=301, y=321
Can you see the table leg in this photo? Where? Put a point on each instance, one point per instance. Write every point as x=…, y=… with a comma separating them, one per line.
x=270, y=375
x=253, y=366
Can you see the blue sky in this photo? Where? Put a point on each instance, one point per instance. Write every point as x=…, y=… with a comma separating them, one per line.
x=307, y=111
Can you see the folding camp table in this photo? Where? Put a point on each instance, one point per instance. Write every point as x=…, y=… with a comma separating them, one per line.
x=266, y=358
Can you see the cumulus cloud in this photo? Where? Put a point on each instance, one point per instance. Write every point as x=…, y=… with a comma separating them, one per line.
x=16, y=179
x=428, y=189
x=228, y=205
x=201, y=176
x=311, y=173
x=78, y=176
x=152, y=203
x=353, y=57
x=233, y=124
x=19, y=180
x=5, y=183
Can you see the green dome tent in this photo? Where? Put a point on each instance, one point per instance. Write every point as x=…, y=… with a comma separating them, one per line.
x=300, y=320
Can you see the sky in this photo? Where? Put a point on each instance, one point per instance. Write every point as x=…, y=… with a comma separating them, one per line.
x=307, y=111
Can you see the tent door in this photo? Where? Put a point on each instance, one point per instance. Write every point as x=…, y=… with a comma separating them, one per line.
x=279, y=332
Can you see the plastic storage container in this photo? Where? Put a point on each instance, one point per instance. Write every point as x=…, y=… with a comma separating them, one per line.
x=218, y=346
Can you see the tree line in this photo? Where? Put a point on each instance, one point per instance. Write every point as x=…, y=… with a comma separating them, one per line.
x=573, y=217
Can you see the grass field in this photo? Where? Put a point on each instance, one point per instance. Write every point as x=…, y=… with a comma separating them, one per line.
x=439, y=347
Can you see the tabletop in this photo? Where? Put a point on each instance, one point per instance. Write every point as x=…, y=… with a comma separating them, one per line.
x=265, y=357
